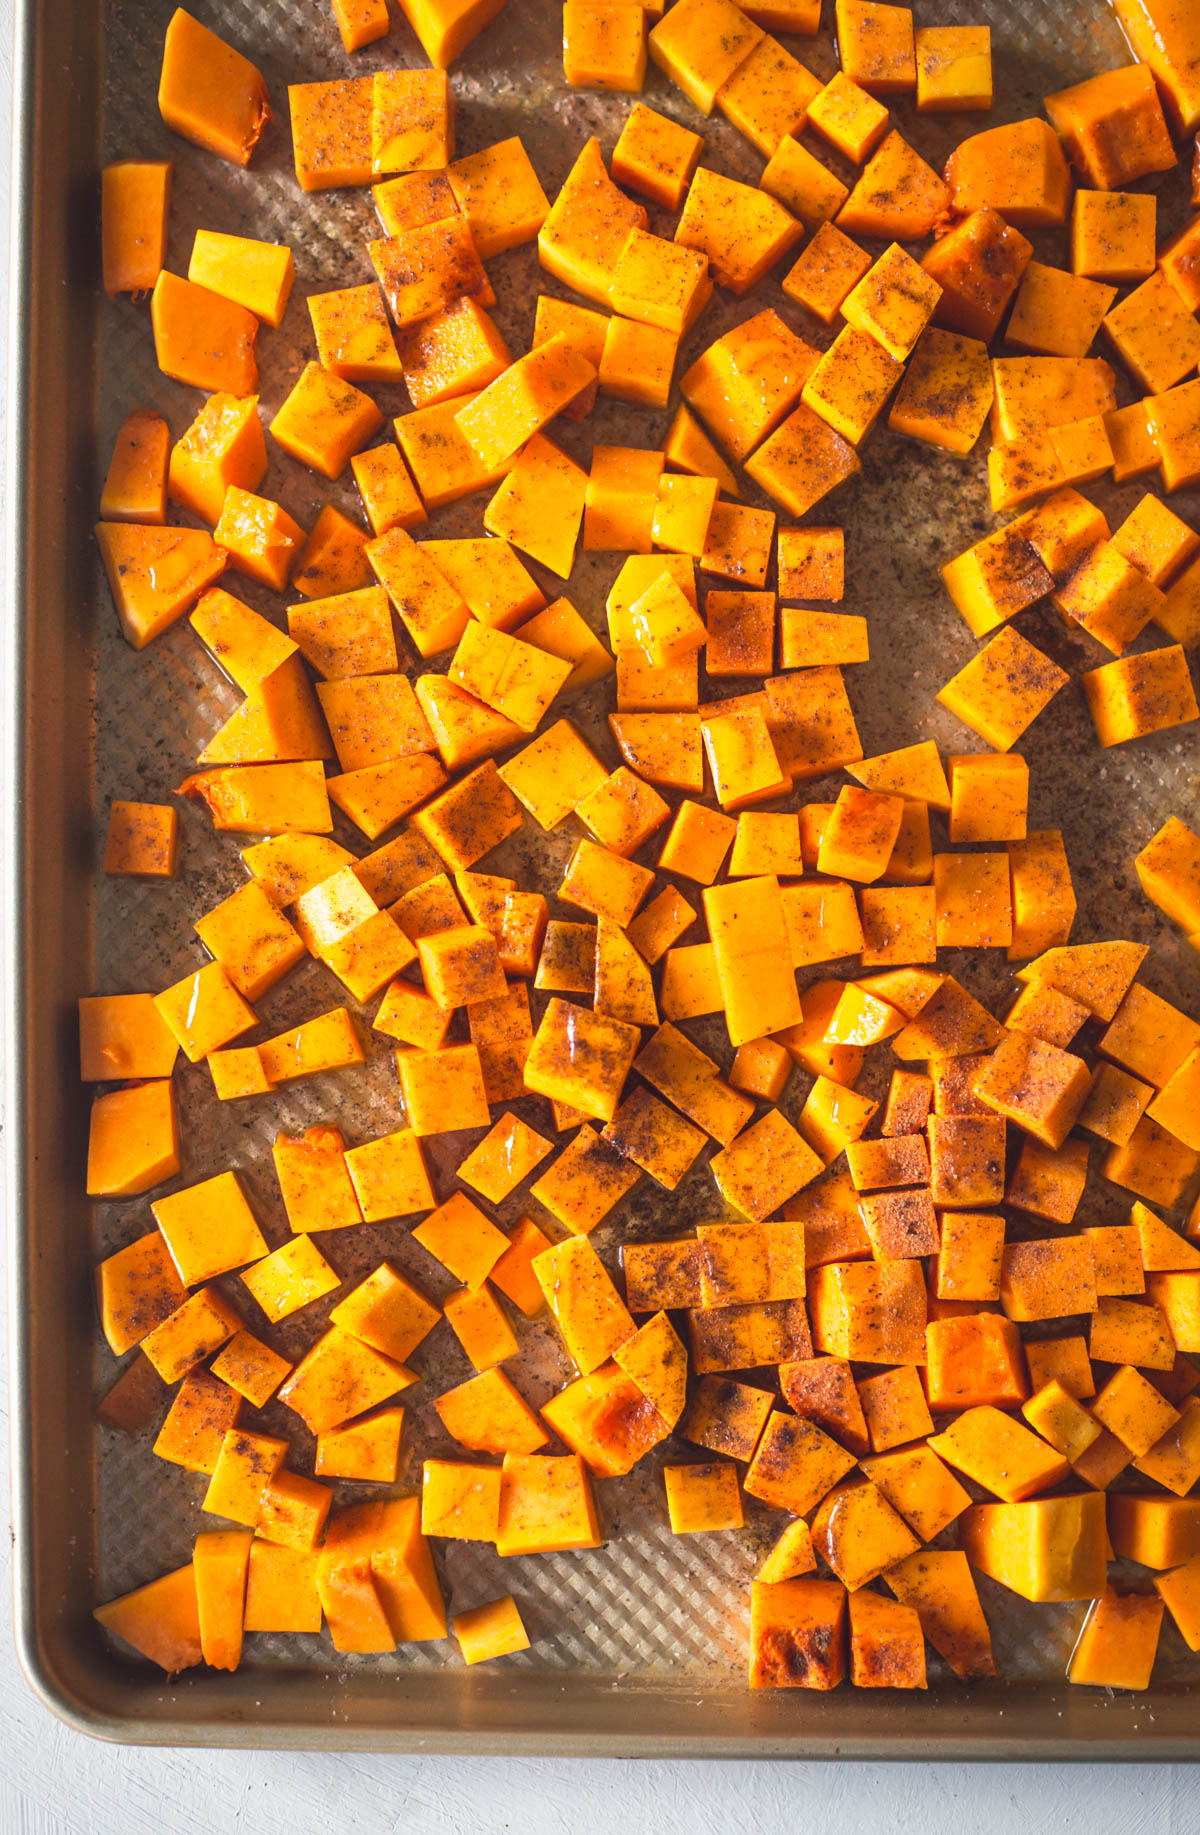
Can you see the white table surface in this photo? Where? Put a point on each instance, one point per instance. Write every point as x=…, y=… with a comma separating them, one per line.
x=55, y=1782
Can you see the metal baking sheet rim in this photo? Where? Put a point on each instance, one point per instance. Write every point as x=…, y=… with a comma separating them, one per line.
x=45, y=928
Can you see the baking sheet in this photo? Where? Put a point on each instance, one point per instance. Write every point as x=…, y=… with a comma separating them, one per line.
x=639, y=1645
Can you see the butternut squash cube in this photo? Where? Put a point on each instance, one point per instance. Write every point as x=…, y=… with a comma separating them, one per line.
x=545, y=1505
x=876, y=45
x=478, y=1322
x=741, y=230
x=160, y=1620
x=496, y=1629
x=999, y=1453
x=1112, y=126
x=155, y=574
x=702, y=1498
x=339, y=1378
x=587, y=1309
x=1112, y=235
x=1118, y=1642
x=1018, y=170
x=135, y=485
x=869, y=1312
x=582, y=237
x=701, y=46
x=133, y=1140
x=460, y=1500
x=209, y=93
x=859, y=1534
x=607, y=1420
x=203, y=1411
x=978, y=265
x=954, y=68
x=848, y=118
x=196, y=1328
x=726, y=1417
x=1003, y=689
x=898, y=197
x=1160, y=1532
x=135, y=199
x=655, y=156
x=795, y=1465
x=224, y=446
x=660, y=924
x=797, y=1634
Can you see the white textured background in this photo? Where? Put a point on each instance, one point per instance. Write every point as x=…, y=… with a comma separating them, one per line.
x=54, y=1782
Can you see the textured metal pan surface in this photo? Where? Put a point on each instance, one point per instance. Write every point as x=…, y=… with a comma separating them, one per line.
x=638, y=1646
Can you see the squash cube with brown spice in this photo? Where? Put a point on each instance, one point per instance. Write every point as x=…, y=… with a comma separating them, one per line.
x=701, y=44
x=1112, y=235
x=869, y=1312
x=742, y=230
x=655, y=156
x=954, y=68
x=978, y=265
x=795, y=1465
x=1139, y=695
x=852, y=381
x=898, y=197
x=893, y=302
x=848, y=118
x=826, y=271
x=946, y=392
x=876, y=45
x=726, y=1416
x=203, y=1410
x=580, y=1058
x=1003, y=689
x=584, y=1183
x=966, y=1156
x=245, y=1465
x=1049, y=1279
x=887, y=1648
x=142, y=839
x=894, y=1408
x=797, y=1634
x=1049, y=1181
x=655, y=1359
